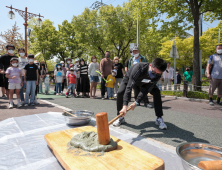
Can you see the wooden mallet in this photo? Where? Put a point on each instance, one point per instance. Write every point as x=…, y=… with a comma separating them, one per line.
x=103, y=126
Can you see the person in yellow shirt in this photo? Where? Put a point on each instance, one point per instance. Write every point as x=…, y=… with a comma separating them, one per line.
x=110, y=84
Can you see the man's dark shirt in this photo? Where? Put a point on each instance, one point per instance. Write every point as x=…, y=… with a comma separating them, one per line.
x=135, y=76
x=5, y=60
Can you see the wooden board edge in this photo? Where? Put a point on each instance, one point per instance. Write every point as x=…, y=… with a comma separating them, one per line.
x=56, y=154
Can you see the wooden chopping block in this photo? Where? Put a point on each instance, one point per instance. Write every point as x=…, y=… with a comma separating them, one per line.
x=210, y=165
x=125, y=157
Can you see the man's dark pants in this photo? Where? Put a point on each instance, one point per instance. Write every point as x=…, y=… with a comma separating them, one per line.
x=156, y=98
x=103, y=87
x=136, y=92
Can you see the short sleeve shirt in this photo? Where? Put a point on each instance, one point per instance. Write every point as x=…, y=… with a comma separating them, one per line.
x=188, y=75
x=217, y=66
x=14, y=71
x=59, y=75
x=72, y=78
x=31, y=74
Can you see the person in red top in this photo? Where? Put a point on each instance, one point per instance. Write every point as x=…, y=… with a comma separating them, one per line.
x=71, y=82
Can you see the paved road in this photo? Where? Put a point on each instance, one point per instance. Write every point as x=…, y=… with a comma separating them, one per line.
x=187, y=121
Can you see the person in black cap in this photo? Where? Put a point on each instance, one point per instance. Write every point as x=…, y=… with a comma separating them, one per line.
x=5, y=61
x=145, y=76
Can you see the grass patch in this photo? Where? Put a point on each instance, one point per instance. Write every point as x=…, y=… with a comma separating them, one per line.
x=190, y=94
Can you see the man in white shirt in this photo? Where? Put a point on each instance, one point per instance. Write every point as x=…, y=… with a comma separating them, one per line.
x=168, y=76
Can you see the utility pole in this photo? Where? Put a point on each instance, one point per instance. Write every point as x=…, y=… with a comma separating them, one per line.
x=219, y=37
x=200, y=34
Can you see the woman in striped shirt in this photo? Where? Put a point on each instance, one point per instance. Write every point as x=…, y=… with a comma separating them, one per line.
x=84, y=79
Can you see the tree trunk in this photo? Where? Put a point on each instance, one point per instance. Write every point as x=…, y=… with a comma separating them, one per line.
x=196, y=49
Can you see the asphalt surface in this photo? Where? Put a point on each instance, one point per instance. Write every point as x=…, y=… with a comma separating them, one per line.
x=187, y=121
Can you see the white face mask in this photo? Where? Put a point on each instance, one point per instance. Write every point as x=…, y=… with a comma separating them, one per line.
x=47, y=75
x=77, y=63
x=11, y=51
x=68, y=62
x=94, y=60
x=22, y=54
x=131, y=54
x=219, y=51
x=116, y=61
x=176, y=72
x=15, y=64
x=31, y=60
x=136, y=55
x=71, y=72
x=59, y=67
x=113, y=74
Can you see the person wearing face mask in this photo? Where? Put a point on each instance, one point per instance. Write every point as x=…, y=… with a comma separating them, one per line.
x=47, y=83
x=127, y=62
x=5, y=61
x=22, y=63
x=72, y=91
x=138, y=58
x=215, y=75
x=94, y=77
x=145, y=76
x=84, y=79
x=14, y=74
x=120, y=73
x=188, y=77
x=77, y=75
x=64, y=70
x=68, y=61
x=106, y=66
x=59, y=78
x=110, y=84
x=31, y=78
x=42, y=75
x=168, y=76
x=178, y=80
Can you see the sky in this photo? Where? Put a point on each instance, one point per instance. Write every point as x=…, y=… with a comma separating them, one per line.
x=56, y=10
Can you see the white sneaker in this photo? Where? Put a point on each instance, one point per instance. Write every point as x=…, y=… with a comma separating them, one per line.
x=19, y=105
x=22, y=103
x=57, y=94
x=149, y=105
x=62, y=92
x=36, y=102
x=10, y=106
x=115, y=95
x=160, y=123
x=119, y=121
x=26, y=105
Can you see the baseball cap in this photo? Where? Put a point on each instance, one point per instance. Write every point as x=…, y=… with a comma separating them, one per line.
x=71, y=69
x=61, y=62
x=135, y=48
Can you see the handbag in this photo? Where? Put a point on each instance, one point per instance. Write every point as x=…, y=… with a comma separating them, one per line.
x=211, y=67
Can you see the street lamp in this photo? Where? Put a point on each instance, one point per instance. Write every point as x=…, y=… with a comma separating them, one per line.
x=11, y=15
x=26, y=16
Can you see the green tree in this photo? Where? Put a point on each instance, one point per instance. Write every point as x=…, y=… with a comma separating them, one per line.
x=184, y=14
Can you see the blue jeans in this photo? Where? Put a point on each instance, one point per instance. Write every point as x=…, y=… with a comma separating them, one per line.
x=46, y=88
x=30, y=89
x=40, y=86
x=110, y=92
x=21, y=90
x=58, y=87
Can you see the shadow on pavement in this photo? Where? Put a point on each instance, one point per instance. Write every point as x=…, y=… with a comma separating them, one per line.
x=171, y=132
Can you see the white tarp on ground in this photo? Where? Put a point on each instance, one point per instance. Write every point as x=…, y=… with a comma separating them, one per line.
x=22, y=144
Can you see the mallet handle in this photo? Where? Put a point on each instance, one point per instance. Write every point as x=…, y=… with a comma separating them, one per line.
x=118, y=116
x=69, y=113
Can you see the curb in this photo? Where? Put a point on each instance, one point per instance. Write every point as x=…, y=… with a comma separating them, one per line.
x=188, y=99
